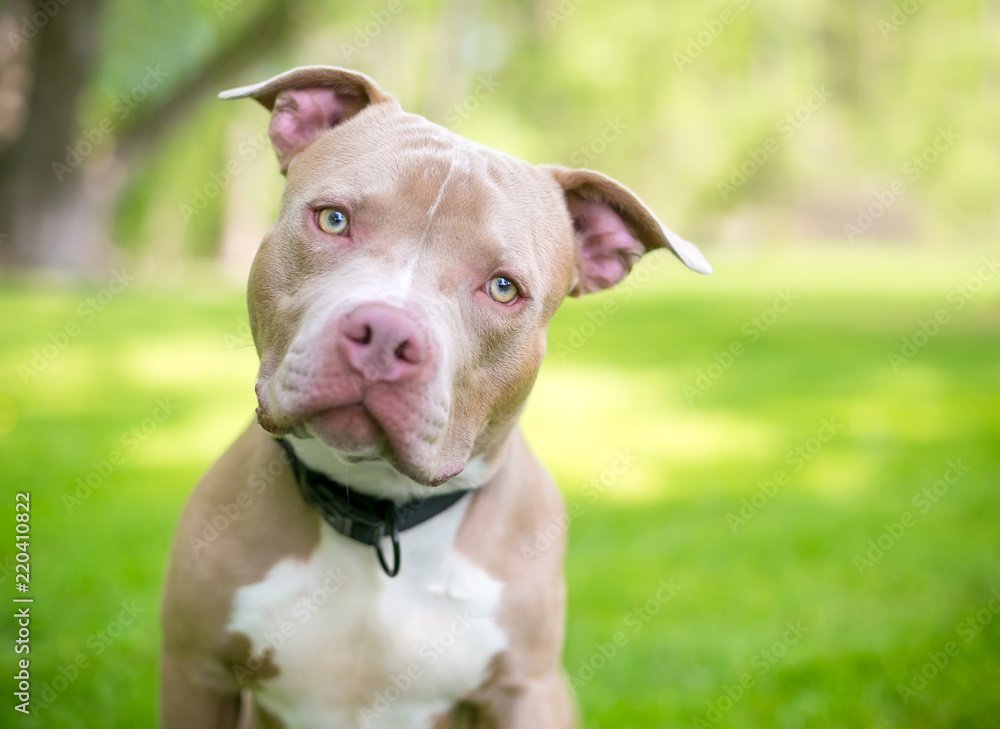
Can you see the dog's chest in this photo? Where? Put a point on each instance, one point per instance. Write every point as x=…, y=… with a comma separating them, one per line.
x=335, y=642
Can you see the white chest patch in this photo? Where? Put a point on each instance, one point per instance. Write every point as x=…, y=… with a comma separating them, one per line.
x=355, y=648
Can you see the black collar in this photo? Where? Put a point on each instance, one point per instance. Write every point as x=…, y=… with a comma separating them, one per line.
x=361, y=517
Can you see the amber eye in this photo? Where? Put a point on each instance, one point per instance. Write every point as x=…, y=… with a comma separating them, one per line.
x=332, y=221
x=502, y=289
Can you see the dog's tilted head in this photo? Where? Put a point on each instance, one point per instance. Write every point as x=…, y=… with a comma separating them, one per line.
x=400, y=301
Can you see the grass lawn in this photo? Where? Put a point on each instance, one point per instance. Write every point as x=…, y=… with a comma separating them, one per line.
x=775, y=523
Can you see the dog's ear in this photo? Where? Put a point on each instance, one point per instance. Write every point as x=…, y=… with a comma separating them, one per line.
x=307, y=101
x=613, y=229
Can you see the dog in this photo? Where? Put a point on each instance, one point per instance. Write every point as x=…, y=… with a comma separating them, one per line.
x=354, y=559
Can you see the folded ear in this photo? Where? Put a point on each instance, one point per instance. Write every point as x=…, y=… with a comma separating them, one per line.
x=613, y=229
x=307, y=101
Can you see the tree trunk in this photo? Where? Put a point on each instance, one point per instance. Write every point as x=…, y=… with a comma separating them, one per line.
x=40, y=214
x=57, y=205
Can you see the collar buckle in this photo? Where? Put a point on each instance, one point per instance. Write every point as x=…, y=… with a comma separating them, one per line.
x=363, y=518
x=393, y=528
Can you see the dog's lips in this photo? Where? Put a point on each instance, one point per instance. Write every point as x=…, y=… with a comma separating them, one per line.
x=268, y=423
x=398, y=423
x=353, y=429
x=348, y=427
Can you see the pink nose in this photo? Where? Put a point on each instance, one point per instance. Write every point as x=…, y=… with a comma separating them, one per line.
x=382, y=342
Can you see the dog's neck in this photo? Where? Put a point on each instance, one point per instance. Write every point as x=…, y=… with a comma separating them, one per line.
x=376, y=477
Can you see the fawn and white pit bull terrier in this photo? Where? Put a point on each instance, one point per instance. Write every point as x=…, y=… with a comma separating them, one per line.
x=399, y=307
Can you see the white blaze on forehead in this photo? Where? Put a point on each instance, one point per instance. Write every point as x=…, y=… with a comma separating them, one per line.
x=452, y=161
x=387, y=282
x=404, y=280
x=376, y=280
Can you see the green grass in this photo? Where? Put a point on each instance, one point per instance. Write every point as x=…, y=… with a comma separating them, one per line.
x=620, y=390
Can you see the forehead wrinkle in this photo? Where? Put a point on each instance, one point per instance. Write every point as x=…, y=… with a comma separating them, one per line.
x=490, y=193
x=437, y=201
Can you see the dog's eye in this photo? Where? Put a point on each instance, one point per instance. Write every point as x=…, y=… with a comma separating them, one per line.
x=332, y=221
x=502, y=289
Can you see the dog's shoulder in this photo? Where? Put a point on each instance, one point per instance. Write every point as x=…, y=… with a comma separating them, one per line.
x=237, y=523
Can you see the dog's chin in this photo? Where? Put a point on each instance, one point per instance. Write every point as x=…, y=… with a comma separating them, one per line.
x=355, y=434
x=350, y=429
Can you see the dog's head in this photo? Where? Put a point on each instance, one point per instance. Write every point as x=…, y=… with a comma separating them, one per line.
x=399, y=303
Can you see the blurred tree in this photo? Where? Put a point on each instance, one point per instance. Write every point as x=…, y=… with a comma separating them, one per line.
x=670, y=97
x=839, y=38
x=37, y=211
x=58, y=193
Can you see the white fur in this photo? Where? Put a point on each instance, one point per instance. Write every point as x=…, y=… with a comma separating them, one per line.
x=373, y=283
x=355, y=648
x=440, y=196
x=687, y=251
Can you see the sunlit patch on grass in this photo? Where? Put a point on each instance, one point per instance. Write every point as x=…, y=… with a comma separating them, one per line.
x=170, y=363
x=201, y=439
x=66, y=384
x=842, y=475
x=583, y=420
x=914, y=404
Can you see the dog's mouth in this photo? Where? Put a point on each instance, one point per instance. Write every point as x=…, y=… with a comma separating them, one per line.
x=358, y=435
x=350, y=428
